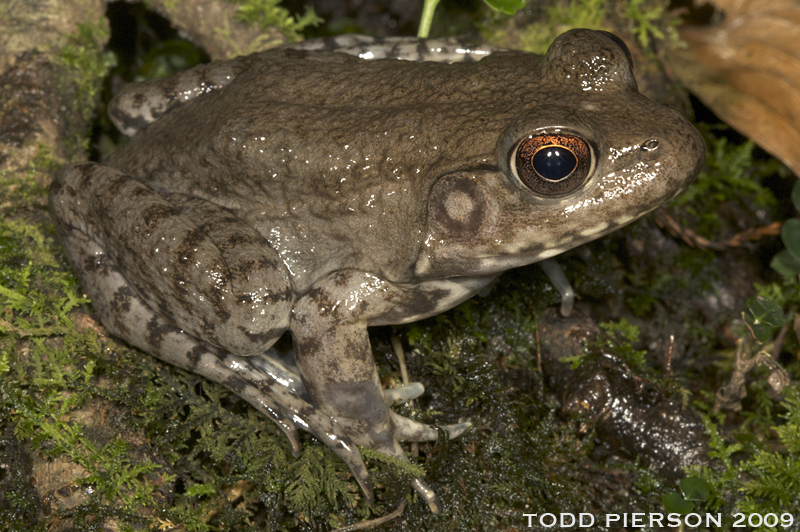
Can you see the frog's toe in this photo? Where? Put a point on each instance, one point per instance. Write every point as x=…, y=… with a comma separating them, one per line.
x=255, y=397
x=401, y=394
x=321, y=425
x=560, y=282
x=427, y=494
x=281, y=369
x=355, y=463
x=260, y=389
x=457, y=429
x=406, y=429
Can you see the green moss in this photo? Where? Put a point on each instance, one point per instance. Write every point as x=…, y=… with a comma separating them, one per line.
x=112, y=471
x=646, y=20
x=559, y=17
x=766, y=481
x=85, y=64
x=22, y=190
x=46, y=383
x=619, y=338
x=268, y=14
x=650, y=20
x=732, y=176
x=36, y=296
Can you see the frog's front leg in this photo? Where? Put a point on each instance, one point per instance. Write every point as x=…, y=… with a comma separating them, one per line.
x=332, y=349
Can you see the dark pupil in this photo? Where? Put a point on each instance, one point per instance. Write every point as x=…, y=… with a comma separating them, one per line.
x=554, y=162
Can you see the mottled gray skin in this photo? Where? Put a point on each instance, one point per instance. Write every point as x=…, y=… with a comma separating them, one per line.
x=319, y=193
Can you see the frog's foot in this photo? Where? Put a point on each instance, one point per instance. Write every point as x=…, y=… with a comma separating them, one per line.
x=427, y=494
x=283, y=370
x=280, y=403
x=402, y=394
x=406, y=429
x=276, y=381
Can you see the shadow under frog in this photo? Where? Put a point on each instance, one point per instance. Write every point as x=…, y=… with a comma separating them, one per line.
x=321, y=194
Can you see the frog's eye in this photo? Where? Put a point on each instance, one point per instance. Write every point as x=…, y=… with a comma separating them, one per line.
x=552, y=164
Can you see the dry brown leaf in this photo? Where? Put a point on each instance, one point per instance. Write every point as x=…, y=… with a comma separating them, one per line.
x=747, y=70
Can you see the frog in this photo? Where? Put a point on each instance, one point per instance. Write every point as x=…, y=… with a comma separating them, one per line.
x=317, y=194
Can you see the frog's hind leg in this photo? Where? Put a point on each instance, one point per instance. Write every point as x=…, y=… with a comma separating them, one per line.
x=140, y=104
x=127, y=315
x=148, y=331
x=405, y=429
x=192, y=262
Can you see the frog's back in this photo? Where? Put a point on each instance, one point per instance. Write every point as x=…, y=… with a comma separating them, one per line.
x=353, y=143
x=334, y=80
x=330, y=146
x=328, y=107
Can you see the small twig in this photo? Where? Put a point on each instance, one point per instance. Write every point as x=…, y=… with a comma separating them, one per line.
x=538, y=349
x=401, y=357
x=730, y=396
x=428, y=8
x=796, y=327
x=669, y=355
x=363, y=525
x=777, y=345
x=664, y=219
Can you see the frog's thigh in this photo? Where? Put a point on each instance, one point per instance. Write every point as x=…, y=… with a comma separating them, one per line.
x=125, y=315
x=193, y=263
